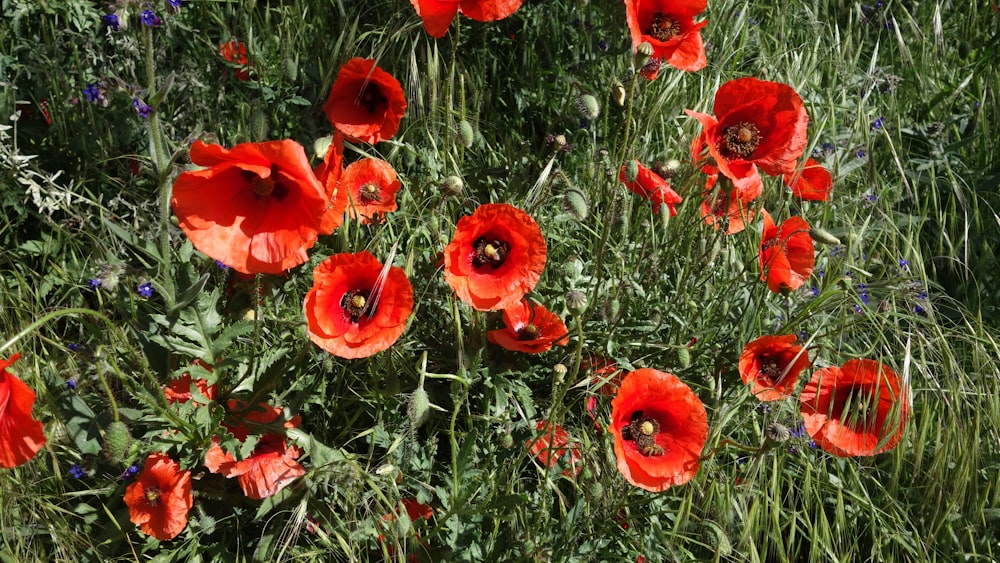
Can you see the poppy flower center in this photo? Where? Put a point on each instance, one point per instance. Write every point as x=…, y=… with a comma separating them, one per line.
x=371, y=98
x=740, y=140
x=529, y=332
x=770, y=371
x=643, y=430
x=663, y=27
x=153, y=496
x=369, y=193
x=264, y=187
x=858, y=408
x=355, y=304
x=489, y=252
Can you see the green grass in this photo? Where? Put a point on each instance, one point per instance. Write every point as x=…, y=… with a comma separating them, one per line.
x=653, y=285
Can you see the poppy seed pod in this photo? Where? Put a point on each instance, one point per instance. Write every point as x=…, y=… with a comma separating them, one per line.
x=642, y=54
x=452, y=186
x=576, y=302
x=588, y=105
x=823, y=237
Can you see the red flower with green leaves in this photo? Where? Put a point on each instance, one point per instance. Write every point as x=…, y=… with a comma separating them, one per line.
x=438, y=14
x=366, y=103
x=787, y=254
x=771, y=366
x=857, y=409
x=529, y=328
x=660, y=427
x=652, y=187
x=669, y=26
x=371, y=185
x=160, y=498
x=21, y=436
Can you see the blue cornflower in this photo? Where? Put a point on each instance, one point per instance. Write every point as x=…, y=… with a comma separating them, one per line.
x=922, y=295
x=95, y=283
x=141, y=108
x=176, y=3
x=860, y=153
x=814, y=290
x=92, y=93
x=130, y=472
x=73, y=346
x=920, y=311
x=146, y=290
x=904, y=264
x=77, y=472
x=110, y=20
x=878, y=123
x=150, y=19
x=71, y=384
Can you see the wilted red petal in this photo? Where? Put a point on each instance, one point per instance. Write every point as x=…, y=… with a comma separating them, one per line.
x=813, y=182
x=553, y=446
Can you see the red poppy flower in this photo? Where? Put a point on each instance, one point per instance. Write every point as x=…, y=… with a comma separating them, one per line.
x=605, y=373
x=554, y=447
x=530, y=328
x=756, y=123
x=371, y=186
x=669, y=26
x=366, y=103
x=357, y=307
x=235, y=52
x=160, y=498
x=21, y=436
x=651, y=69
x=771, y=365
x=179, y=390
x=496, y=256
x=857, y=409
x=329, y=173
x=650, y=185
x=786, y=254
x=272, y=464
x=438, y=14
x=660, y=427
x=257, y=207
x=722, y=208
x=812, y=182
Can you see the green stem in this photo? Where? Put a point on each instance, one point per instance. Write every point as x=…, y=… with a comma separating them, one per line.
x=162, y=168
x=107, y=389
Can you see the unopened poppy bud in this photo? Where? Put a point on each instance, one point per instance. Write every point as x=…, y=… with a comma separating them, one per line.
x=588, y=105
x=259, y=125
x=507, y=441
x=116, y=441
x=777, y=433
x=618, y=93
x=714, y=252
x=575, y=204
x=631, y=170
x=290, y=68
x=452, y=186
x=466, y=134
x=823, y=237
x=964, y=50
x=418, y=407
x=576, y=302
x=642, y=54
x=683, y=357
x=559, y=141
x=559, y=372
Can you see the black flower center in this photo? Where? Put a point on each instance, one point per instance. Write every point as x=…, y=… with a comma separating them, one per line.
x=770, y=371
x=740, y=140
x=489, y=252
x=266, y=187
x=529, y=332
x=356, y=304
x=152, y=496
x=859, y=408
x=663, y=27
x=369, y=193
x=371, y=98
x=643, y=430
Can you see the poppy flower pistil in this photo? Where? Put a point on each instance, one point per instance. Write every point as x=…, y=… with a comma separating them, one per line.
x=489, y=252
x=371, y=98
x=643, y=431
x=152, y=496
x=370, y=193
x=770, y=371
x=529, y=332
x=740, y=140
x=355, y=304
x=664, y=27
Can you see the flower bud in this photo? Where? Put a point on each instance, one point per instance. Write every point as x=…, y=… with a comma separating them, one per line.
x=418, y=407
x=631, y=170
x=642, y=54
x=466, y=134
x=618, y=93
x=588, y=105
x=452, y=186
x=823, y=237
x=683, y=357
x=116, y=441
x=575, y=204
x=576, y=302
x=290, y=68
x=259, y=125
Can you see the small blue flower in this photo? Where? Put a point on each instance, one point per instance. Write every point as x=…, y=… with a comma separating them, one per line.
x=803, y=335
x=920, y=311
x=865, y=298
x=583, y=124
x=860, y=153
x=857, y=308
x=130, y=472
x=110, y=20
x=820, y=272
x=871, y=198
x=141, y=108
x=95, y=283
x=71, y=384
x=602, y=45
x=814, y=290
x=904, y=264
x=798, y=431
x=221, y=264
x=73, y=346
x=922, y=295
x=837, y=250
x=92, y=93
x=146, y=290
x=878, y=123
x=77, y=472
x=150, y=19
x=176, y=3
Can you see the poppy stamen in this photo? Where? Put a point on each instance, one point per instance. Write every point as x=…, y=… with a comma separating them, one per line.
x=491, y=252
x=152, y=496
x=369, y=193
x=740, y=140
x=664, y=27
x=371, y=98
x=770, y=371
x=643, y=431
x=529, y=332
x=355, y=304
x=264, y=187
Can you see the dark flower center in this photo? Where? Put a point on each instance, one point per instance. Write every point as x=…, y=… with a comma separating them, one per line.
x=740, y=140
x=643, y=430
x=371, y=98
x=356, y=304
x=266, y=187
x=859, y=408
x=770, y=371
x=489, y=252
x=663, y=27
x=369, y=193
x=529, y=332
x=152, y=496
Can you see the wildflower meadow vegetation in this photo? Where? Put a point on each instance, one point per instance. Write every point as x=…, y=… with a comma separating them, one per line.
x=499, y=280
